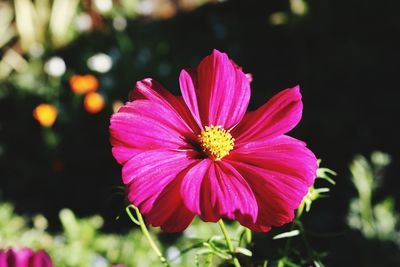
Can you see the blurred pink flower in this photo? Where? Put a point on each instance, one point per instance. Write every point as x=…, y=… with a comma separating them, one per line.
x=24, y=257
x=202, y=154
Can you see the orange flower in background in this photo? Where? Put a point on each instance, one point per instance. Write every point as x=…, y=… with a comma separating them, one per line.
x=82, y=84
x=45, y=114
x=93, y=102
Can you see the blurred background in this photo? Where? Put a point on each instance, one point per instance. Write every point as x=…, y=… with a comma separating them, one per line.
x=67, y=65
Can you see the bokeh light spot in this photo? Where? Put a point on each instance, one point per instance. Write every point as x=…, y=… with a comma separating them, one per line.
x=45, y=114
x=82, y=84
x=93, y=102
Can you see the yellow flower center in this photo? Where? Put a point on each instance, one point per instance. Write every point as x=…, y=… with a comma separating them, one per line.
x=216, y=142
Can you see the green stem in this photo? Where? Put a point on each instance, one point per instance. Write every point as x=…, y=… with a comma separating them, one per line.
x=310, y=252
x=229, y=243
x=209, y=260
x=289, y=241
x=248, y=235
x=139, y=221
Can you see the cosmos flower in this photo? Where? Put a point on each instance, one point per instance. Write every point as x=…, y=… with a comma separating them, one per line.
x=24, y=257
x=202, y=154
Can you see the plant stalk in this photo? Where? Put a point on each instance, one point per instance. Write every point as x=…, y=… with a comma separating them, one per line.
x=139, y=221
x=229, y=243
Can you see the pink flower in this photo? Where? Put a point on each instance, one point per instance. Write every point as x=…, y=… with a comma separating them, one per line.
x=202, y=154
x=24, y=257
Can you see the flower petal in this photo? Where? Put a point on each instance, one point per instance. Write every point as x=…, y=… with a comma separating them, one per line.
x=179, y=219
x=280, y=173
x=22, y=257
x=278, y=116
x=7, y=256
x=191, y=185
x=217, y=91
x=41, y=259
x=152, y=90
x=145, y=125
x=153, y=178
x=214, y=190
x=168, y=210
x=189, y=87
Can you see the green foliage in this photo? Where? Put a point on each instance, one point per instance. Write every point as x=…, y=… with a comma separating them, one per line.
x=375, y=220
x=80, y=244
x=213, y=250
x=83, y=244
x=316, y=193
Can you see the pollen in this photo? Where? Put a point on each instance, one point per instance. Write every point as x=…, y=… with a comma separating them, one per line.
x=216, y=142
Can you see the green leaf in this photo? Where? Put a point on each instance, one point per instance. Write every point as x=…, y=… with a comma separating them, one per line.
x=324, y=173
x=318, y=263
x=243, y=251
x=287, y=234
x=203, y=251
x=286, y=262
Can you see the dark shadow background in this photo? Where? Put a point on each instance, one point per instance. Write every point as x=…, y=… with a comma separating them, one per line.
x=344, y=54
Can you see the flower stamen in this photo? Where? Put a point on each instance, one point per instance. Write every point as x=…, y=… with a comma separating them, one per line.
x=216, y=142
